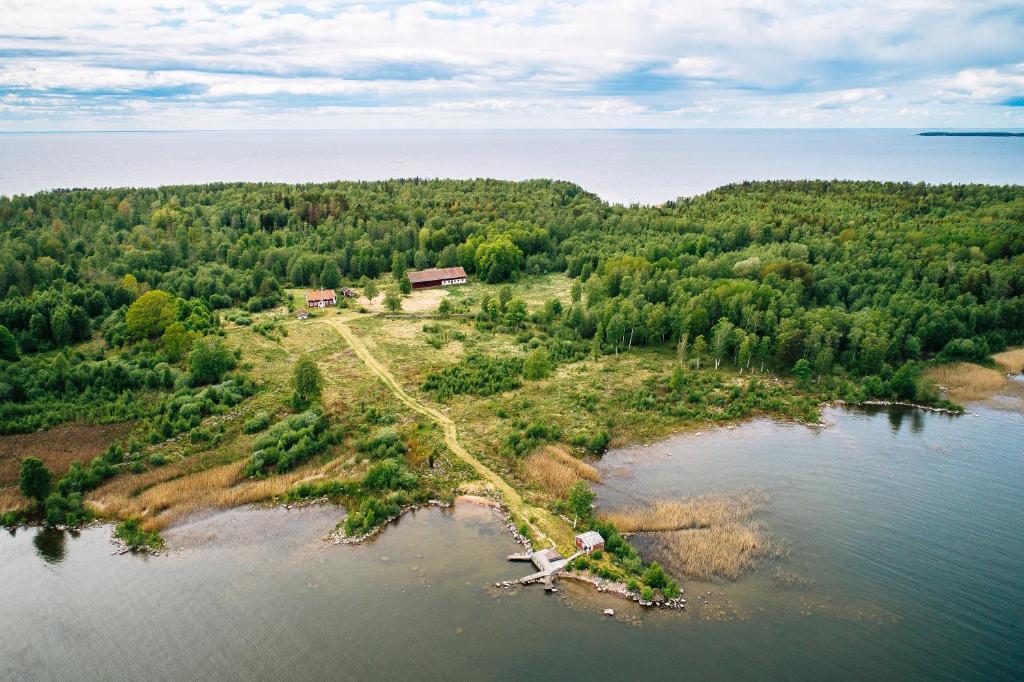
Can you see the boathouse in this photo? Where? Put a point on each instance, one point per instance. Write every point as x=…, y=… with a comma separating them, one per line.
x=321, y=298
x=591, y=541
x=436, y=277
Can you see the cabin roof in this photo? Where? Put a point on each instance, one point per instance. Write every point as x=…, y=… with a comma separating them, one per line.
x=320, y=295
x=591, y=537
x=434, y=274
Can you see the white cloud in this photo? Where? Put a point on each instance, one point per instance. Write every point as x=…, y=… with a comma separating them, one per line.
x=586, y=62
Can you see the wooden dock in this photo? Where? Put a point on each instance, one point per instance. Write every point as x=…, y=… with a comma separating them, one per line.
x=549, y=563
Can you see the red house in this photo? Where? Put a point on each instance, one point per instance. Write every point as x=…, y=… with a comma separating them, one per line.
x=321, y=298
x=591, y=541
x=436, y=277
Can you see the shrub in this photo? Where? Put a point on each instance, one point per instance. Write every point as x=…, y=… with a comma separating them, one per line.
x=389, y=474
x=537, y=364
x=290, y=442
x=476, y=374
x=35, y=480
x=132, y=534
x=257, y=422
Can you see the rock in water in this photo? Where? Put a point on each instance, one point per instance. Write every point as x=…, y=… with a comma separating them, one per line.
x=609, y=612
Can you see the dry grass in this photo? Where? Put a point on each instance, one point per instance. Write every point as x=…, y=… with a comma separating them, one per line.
x=12, y=500
x=169, y=501
x=1011, y=360
x=702, y=538
x=57, y=447
x=556, y=470
x=967, y=381
x=713, y=553
x=697, y=512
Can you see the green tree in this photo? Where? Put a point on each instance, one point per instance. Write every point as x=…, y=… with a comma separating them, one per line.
x=60, y=325
x=307, y=382
x=393, y=300
x=176, y=341
x=515, y=313
x=700, y=349
x=504, y=296
x=576, y=292
x=498, y=259
x=35, y=480
x=150, y=314
x=8, y=345
x=581, y=498
x=404, y=285
x=330, y=278
x=370, y=290
x=209, y=360
x=399, y=265
x=537, y=364
x=802, y=370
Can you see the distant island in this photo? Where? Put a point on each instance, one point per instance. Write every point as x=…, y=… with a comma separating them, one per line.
x=990, y=133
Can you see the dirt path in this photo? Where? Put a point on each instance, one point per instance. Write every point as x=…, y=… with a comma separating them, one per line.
x=513, y=499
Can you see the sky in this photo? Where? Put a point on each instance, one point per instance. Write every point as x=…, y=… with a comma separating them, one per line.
x=176, y=64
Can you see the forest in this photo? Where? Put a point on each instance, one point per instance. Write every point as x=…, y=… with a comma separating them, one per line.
x=109, y=297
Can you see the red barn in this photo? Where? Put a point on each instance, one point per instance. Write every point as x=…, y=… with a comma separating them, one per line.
x=436, y=277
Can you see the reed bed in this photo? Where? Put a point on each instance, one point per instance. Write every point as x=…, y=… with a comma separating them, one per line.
x=967, y=381
x=715, y=553
x=221, y=487
x=703, y=538
x=556, y=470
x=11, y=500
x=697, y=512
x=1011, y=360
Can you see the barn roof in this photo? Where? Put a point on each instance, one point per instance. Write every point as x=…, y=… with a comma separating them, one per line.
x=320, y=295
x=434, y=274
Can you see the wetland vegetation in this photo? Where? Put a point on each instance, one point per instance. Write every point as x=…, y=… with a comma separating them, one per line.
x=166, y=317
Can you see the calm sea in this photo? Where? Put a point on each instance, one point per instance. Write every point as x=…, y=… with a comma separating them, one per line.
x=625, y=166
x=904, y=526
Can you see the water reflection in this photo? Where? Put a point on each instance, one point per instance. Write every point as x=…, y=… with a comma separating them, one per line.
x=51, y=544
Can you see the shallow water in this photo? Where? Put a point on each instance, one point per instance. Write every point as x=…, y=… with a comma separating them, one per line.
x=908, y=524
x=623, y=166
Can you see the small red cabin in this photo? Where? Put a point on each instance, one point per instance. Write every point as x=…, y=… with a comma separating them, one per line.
x=436, y=277
x=591, y=541
x=321, y=298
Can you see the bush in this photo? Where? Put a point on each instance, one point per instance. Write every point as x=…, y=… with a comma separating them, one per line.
x=390, y=474
x=131, y=533
x=68, y=510
x=477, y=375
x=35, y=480
x=290, y=442
x=537, y=364
x=257, y=422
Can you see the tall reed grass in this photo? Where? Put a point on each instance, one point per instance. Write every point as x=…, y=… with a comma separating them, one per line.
x=556, y=470
x=703, y=538
x=967, y=381
x=1011, y=360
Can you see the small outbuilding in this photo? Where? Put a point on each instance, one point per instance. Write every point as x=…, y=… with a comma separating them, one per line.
x=436, y=277
x=302, y=314
x=348, y=293
x=591, y=541
x=321, y=298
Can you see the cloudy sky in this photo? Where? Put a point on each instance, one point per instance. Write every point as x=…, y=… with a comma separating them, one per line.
x=173, y=64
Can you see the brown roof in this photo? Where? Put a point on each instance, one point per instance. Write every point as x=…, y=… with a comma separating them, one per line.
x=321, y=295
x=434, y=274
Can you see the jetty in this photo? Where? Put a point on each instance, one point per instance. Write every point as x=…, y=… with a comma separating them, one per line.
x=548, y=563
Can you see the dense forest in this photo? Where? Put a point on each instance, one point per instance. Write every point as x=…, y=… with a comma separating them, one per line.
x=108, y=297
